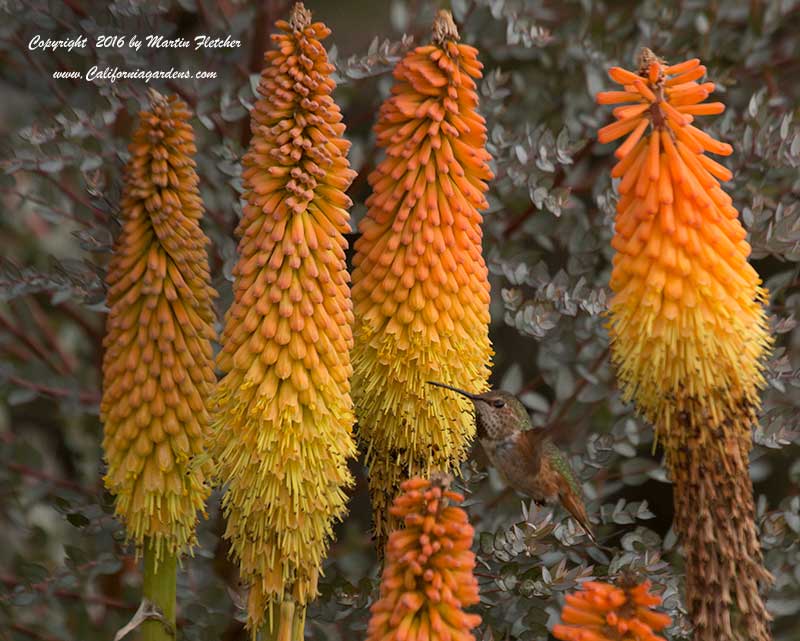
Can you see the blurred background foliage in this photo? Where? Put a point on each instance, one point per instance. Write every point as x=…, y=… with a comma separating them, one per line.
x=64, y=569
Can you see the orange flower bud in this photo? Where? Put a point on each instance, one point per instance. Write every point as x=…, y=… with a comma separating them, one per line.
x=604, y=612
x=427, y=577
x=687, y=325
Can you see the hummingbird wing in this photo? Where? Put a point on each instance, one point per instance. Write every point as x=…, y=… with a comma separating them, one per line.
x=561, y=465
x=569, y=491
x=530, y=445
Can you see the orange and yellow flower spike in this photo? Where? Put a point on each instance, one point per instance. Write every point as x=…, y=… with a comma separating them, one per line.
x=282, y=414
x=688, y=329
x=158, y=364
x=604, y=612
x=687, y=324
x=420, y=284
x=428, y=576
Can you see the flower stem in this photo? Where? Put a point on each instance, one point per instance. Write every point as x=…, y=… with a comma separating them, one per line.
x=159, y=587
x=290, y=623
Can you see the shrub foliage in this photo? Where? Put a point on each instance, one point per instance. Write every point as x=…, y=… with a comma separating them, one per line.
x=65, y=566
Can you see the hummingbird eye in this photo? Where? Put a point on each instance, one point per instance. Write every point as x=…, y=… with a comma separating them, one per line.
x=498, y=403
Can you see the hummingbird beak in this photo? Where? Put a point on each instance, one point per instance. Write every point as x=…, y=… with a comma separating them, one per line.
x=472, y=397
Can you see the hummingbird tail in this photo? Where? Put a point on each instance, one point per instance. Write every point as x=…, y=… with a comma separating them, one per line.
x=577, y=509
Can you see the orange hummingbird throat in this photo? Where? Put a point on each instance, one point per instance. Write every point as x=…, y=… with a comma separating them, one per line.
x=498, y=415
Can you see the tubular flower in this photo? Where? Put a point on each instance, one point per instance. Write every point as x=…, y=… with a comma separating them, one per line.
x=687, y=324
x=420, y=284
x=158, y=364
x=604, y=612
x=427, y=578
x=282, y=414
x=688, y=330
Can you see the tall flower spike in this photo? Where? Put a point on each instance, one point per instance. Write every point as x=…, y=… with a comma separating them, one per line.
x=158, y=365
x=428, y=577
x=282, y=413
x=688, y=330
x=420, y=284
x=604, y=612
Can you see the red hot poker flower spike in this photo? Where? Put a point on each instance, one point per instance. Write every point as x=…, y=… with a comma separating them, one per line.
x=428, y=574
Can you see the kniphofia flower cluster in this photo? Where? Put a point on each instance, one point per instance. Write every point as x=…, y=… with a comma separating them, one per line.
x=687, y=323
x=158, y=364
x=282, y=413
x=427, y=579
x=688, y=329
x=604, y=612
x=420, y=283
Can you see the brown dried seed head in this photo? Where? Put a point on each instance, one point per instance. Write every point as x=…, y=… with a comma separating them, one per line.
x=300, y=17
x=646, y=56
x=444, y=28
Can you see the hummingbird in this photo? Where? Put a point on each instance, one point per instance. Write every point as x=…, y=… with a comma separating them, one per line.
x=526, y=458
